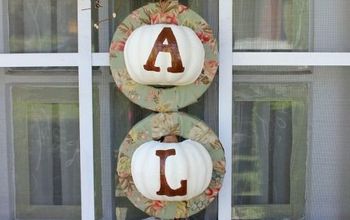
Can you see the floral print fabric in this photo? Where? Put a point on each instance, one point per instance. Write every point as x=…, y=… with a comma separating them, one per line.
x=167, y=101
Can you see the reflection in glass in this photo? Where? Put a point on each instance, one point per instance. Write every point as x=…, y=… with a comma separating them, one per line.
x=262, y=150
x=53, y=131
x=47, y=155
x=271, y=25
x=42, y=26
x=269, y=150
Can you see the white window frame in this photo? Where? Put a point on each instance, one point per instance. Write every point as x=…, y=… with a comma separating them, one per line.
x=84, y=59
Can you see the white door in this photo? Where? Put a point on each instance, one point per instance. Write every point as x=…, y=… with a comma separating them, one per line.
x=279, y=105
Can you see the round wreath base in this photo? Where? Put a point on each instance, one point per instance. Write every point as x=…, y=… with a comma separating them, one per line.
x=161, y=99
x=154, y=127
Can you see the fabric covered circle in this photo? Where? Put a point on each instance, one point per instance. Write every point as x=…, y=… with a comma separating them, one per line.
x=154, y=127
x=156, y=98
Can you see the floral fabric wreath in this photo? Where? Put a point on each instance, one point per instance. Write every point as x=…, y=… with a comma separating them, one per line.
x=154, y=127
x=163, y=99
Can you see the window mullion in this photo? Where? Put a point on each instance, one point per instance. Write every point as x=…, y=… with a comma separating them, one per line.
x=268, y=59
x=38, y=59
x=100, y=59
x=86, y=111
x=225, y=103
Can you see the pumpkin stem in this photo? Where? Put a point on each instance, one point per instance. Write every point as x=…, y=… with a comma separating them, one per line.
x=170, y=139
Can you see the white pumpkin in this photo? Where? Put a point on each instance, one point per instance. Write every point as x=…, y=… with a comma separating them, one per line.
x=190, y=163
x=178, y=62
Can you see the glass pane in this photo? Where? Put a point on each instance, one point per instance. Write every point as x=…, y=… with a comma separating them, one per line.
x=42, y=153
x=313, y=134
x=53, y=132
x=118, y=116
x=103, y=17
x=269, y=145
x=37, y=26
x=46, y=141
x=328, y=169
x=262, y=150
x=330, y=29
x=271, y=25
x=291, y=25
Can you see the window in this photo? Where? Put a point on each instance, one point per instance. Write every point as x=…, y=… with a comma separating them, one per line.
x=42, y=26
x=56, y=90
x=266, y=34
x=271, y=25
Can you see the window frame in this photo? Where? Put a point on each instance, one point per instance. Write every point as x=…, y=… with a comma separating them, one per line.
x=85, y=59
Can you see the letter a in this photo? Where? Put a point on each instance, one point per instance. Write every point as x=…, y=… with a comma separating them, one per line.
x=165, y=189
x=171, y=47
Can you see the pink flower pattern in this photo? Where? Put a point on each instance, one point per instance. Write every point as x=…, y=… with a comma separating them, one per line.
x=204, y=37
x=164, y=18
x=117, y=45
x=155, y=206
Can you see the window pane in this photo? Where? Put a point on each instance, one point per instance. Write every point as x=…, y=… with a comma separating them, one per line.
x=269, y=148
x=107, y=25
x=271, y=25
x=291, y=25
x=118, y=115
x=35, y=26
x=53, y=139
x=42, y=166
x=331, y=32
x=314, y=105
x=46, y=141
x=262, y=150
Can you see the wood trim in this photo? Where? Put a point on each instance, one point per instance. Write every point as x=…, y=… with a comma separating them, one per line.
x=261, y=211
